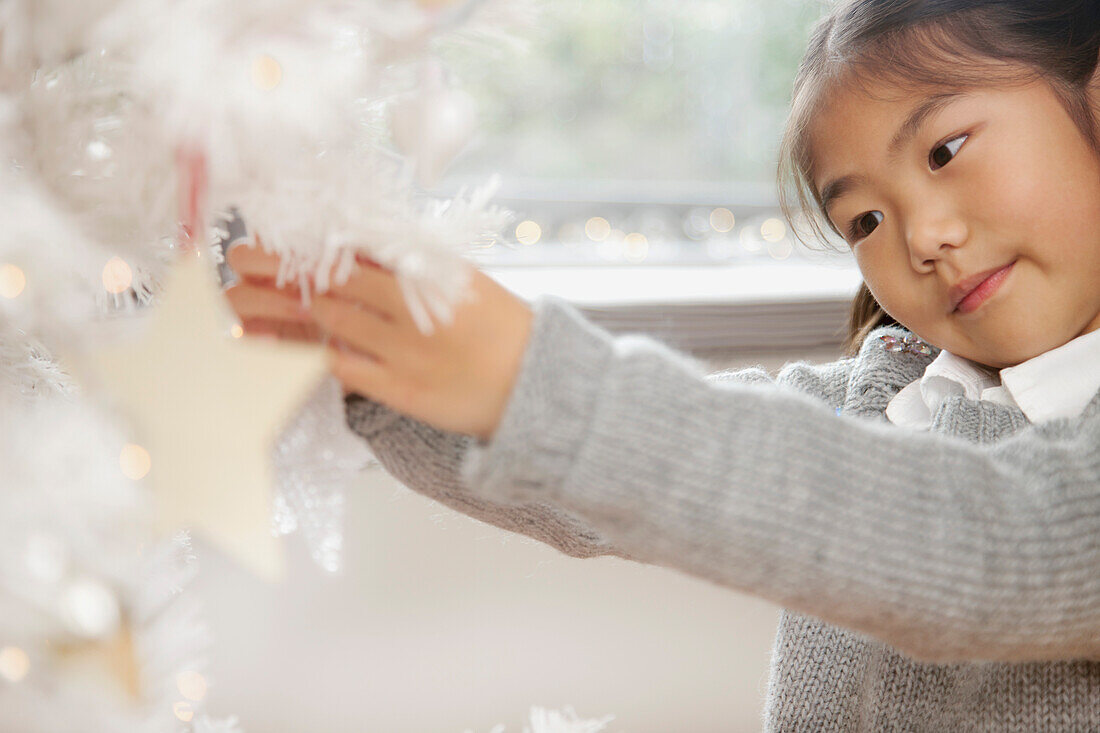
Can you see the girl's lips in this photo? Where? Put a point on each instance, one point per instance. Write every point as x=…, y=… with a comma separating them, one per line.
x=978, y=295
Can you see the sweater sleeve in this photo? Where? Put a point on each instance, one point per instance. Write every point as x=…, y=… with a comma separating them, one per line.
x=946, y=549
x=428, y=461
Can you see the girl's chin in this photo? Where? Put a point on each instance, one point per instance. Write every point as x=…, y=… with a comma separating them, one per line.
x=1017, y=347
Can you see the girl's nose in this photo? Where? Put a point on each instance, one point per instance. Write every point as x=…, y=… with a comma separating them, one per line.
x=930, y=234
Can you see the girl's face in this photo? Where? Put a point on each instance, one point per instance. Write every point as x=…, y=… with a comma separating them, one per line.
x=935, y=190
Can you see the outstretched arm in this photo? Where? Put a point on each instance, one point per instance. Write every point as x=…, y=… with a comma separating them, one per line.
x=424, y=457
x=946, y=549
x=429, y=461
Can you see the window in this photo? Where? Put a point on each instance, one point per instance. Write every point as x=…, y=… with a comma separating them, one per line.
x=639, y=131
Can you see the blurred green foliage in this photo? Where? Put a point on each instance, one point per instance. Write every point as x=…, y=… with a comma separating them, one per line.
x=680, y=90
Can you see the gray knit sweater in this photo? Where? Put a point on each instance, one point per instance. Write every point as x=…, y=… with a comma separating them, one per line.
x=932, y=581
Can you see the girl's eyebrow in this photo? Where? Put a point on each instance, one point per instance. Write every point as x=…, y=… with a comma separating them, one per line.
x=918, y=116
x=909, y=127
x=837, y=187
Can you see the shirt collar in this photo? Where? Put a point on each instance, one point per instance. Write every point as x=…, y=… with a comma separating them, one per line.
x=951, y=374
x=1055, y=384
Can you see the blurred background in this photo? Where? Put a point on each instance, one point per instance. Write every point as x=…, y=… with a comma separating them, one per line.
x=636, y=142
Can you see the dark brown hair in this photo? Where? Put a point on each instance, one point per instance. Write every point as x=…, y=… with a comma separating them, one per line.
x=915, y=44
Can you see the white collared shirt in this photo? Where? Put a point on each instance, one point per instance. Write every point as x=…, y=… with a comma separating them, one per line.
x=1057, y=383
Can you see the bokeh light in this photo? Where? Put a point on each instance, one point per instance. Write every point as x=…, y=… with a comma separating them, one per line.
x=772, y=230
x=191, y=684
x=237, y=331
x=528, y=232
x=266, y=72
x=90, y=608
x=721, y=220
x=12, y=281
x=750, y=240
x=183, y=711
x=14, y=663
x=635, y=247
x=597, y=228
x=134, y=461
x=697, y=223
x=117, y=276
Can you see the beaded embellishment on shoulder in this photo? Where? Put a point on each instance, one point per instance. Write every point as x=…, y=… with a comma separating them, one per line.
x=907, y=344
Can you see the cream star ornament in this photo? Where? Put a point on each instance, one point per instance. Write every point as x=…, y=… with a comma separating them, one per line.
x=207, y=407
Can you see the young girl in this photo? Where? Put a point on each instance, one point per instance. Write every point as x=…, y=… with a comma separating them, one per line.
x=928, y=508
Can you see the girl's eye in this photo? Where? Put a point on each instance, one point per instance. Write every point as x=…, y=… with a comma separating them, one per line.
x=941, y=155
x=863, y=225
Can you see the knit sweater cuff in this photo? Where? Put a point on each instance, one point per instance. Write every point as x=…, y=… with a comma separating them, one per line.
x=366, y=417
x=549, y=411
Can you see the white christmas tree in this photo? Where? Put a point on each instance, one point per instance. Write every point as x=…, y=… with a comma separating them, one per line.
x=131, y=131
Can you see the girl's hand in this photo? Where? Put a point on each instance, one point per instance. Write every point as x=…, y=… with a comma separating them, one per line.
x=458, y=378
x=263, y=309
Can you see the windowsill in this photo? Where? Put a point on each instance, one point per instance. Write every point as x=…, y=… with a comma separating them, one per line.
x=769, y=307
x=615, y=286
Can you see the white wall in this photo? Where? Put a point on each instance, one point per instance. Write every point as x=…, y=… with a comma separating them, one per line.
x=443, y=624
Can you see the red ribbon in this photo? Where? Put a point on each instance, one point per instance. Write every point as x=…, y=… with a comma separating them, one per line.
x=193, y=188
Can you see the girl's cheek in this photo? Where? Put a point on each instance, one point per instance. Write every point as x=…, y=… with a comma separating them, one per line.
x=886, y=273
x=1001, y=189
x=875, y=267
x=1012, y=191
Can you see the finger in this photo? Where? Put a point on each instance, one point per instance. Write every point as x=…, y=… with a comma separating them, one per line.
x=362, y=329
x=259, y=327
x=309, y=331
x=249, y=260
x=288, y=288
x=362, y=259
x=375, y=288
x=370, y=284
x=364, y=374
x=252, y=301
x=268, y=328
